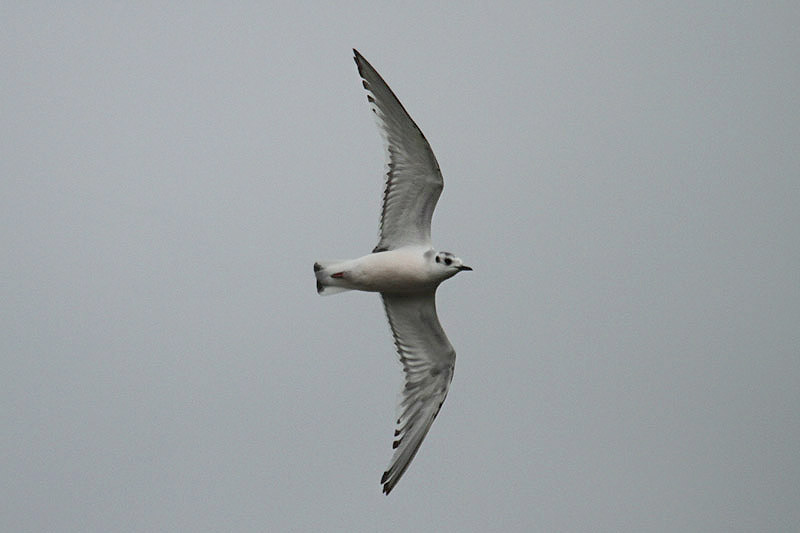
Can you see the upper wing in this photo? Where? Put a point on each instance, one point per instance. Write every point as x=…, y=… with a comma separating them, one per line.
x=428, y=359
x=413, y=181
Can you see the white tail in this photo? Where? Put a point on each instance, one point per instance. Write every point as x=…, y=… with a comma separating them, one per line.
x=324, y=287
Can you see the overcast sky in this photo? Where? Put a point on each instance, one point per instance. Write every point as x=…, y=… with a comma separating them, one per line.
x=625, y=180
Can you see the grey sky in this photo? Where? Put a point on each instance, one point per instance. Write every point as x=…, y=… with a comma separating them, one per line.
x=625, y=179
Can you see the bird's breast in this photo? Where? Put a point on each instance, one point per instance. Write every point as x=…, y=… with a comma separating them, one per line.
x=393, y=271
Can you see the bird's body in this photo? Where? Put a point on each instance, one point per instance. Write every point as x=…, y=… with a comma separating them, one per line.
x=406, y=270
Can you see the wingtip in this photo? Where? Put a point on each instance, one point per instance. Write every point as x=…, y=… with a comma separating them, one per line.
x=360, y=61
x=387, y=486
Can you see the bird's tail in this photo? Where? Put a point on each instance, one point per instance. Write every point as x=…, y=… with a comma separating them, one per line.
x=326, y=285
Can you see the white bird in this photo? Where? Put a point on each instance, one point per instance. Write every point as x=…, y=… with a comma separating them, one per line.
x=406, y=270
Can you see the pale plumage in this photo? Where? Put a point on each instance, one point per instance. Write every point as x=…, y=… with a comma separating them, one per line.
x=406, y=270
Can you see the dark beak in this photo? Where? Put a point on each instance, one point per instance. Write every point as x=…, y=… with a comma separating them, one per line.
x=464, y=267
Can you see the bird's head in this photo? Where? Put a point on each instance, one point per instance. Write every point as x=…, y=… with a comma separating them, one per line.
x=448, y=264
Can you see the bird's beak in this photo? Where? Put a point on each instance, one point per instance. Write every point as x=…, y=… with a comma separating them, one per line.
x=464, y=267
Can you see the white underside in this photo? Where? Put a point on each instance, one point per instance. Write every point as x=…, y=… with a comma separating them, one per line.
x=396, y=271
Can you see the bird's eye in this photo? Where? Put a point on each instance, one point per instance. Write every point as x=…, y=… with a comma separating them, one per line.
x=448, y=261
x=438, y=259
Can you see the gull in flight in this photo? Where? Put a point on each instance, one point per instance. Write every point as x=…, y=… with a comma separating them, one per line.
x=406, y=269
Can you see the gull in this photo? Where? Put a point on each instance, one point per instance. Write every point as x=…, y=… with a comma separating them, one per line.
x=406, y=270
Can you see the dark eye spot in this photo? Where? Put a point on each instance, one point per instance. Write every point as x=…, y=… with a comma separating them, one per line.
x=438, y=259
x=448, y=261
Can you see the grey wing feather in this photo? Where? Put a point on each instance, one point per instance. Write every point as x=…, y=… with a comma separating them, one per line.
x=413, y=181
x=428, y=360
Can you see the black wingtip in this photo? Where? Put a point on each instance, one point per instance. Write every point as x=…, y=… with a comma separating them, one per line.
x=360, y=62
x=387, y=487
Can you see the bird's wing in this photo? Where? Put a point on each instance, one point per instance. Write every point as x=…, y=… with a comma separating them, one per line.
x=428, y=359
x=413, y=179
